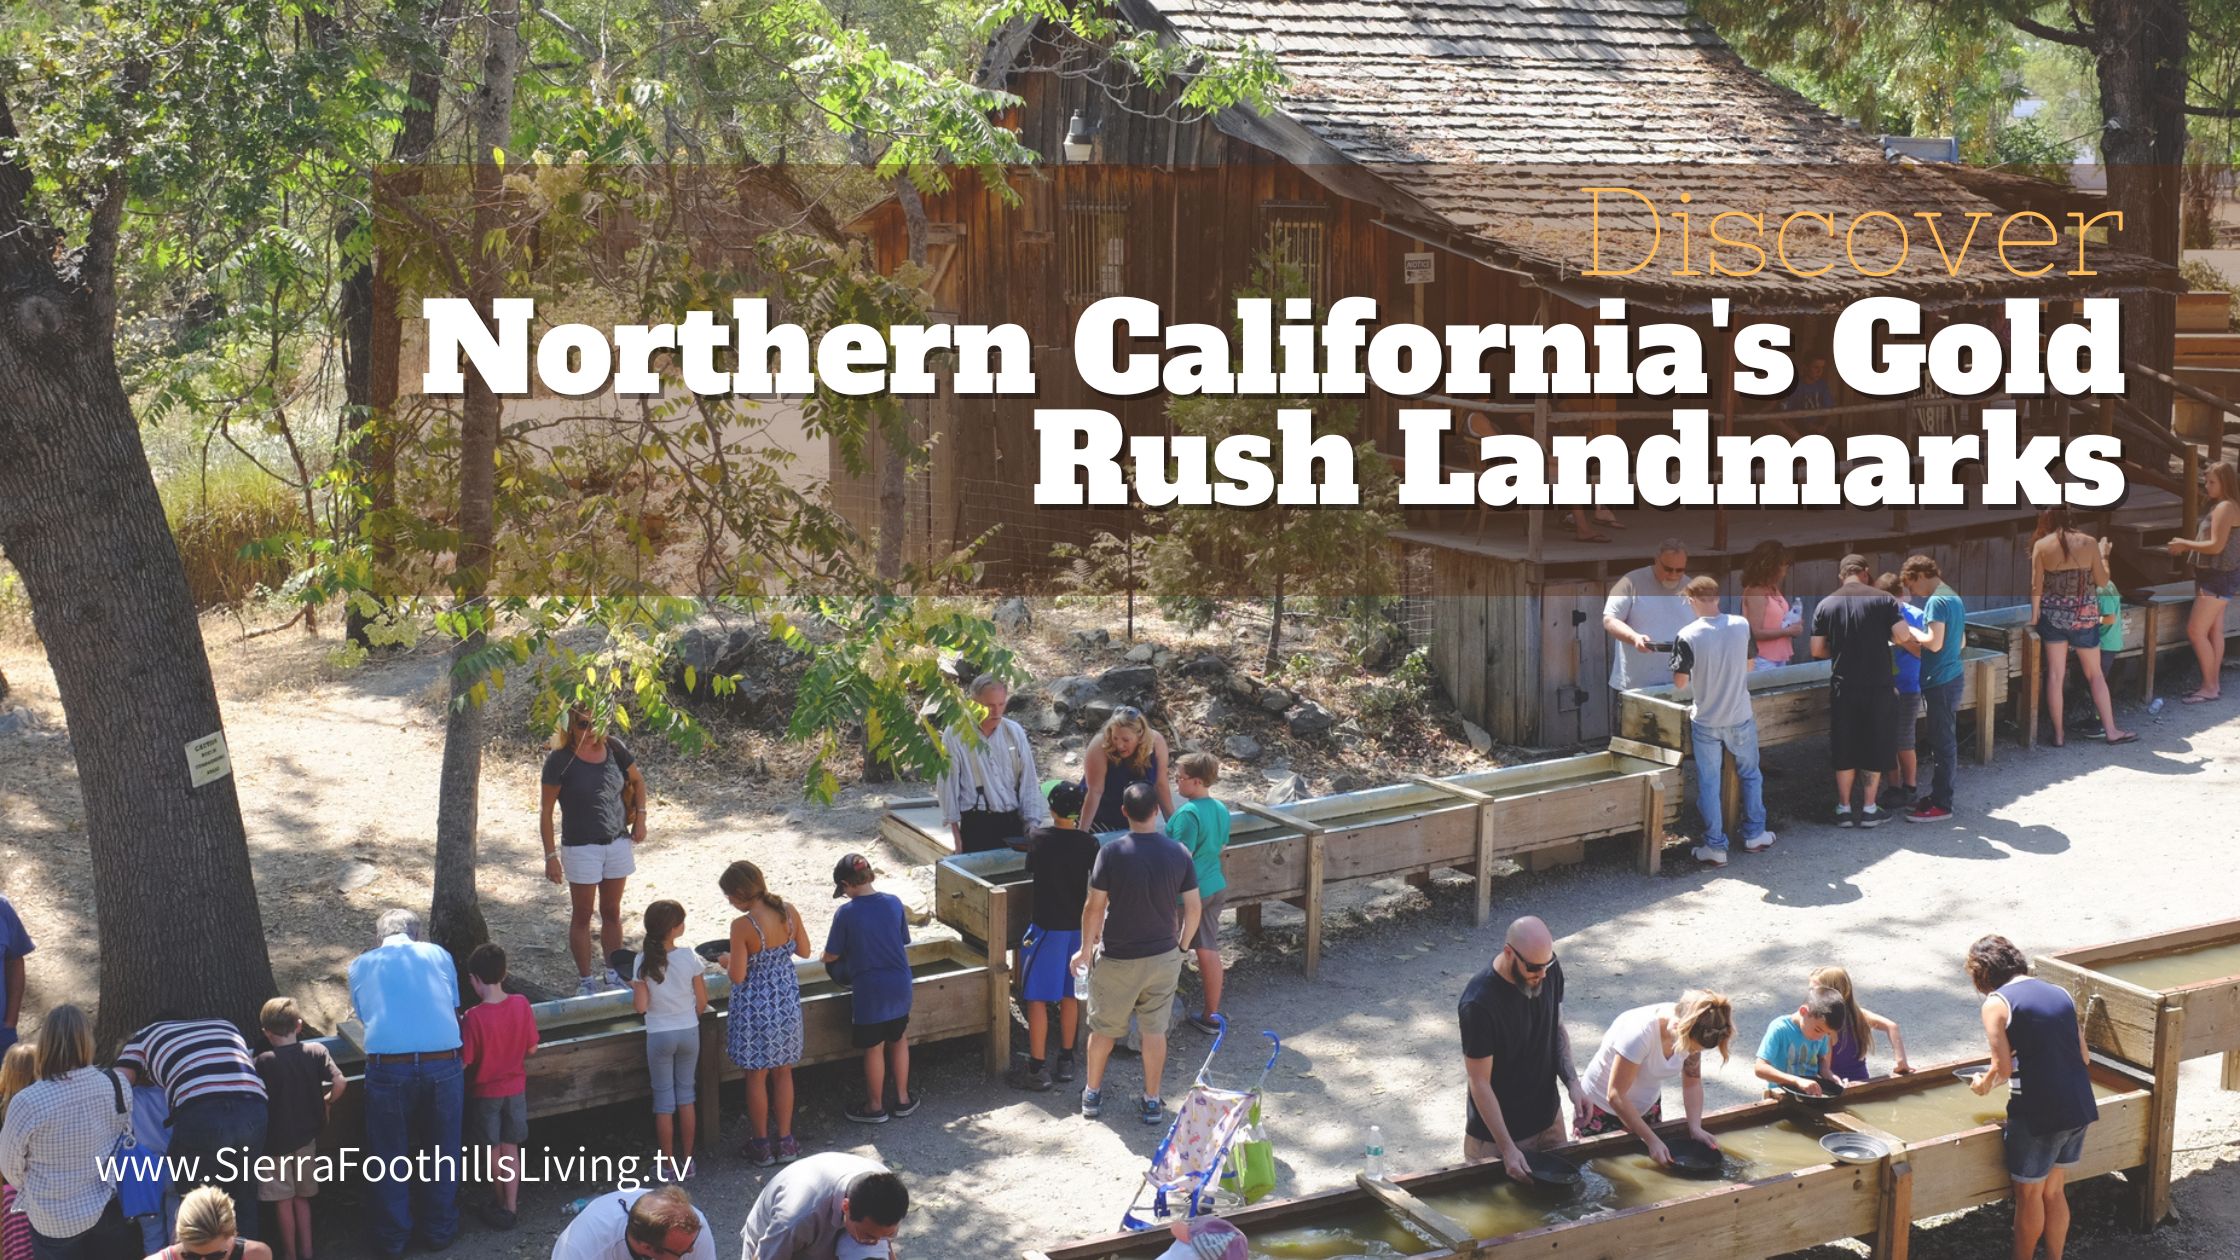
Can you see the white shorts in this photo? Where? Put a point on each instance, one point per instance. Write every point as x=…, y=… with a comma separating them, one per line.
x=596, y=863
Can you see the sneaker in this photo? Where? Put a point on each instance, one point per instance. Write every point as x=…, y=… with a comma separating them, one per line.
x=758, y=1152
x=861, y=1115
x=685, y=1171
x=1709, y=856
x=614, y=980
x=1204, y=1024
x=1092, y=1103
x=1758, y=843
x=1061, y=1067
x=590, y=986
x=1843, y=815
x=1871, y=817
x=1927, y=813
x=1154, y=1111
x=902, y=1107
x=1028, y=1075
x=789, y=1149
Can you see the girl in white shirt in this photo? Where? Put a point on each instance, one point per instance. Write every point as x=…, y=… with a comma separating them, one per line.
x=1646, y=1047
x=670, y=989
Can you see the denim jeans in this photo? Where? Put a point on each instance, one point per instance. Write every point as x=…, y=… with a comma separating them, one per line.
x=1944, y=739
x=202, y=1127
x=415, y=1108
x=1741, y=742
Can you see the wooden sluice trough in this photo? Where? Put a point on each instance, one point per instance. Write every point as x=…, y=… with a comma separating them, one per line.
x=592, y=1049
x=2160, y=620
x=1791, y=704
x=2157, y=1001
x=1780, y=1191
x=1293, y=852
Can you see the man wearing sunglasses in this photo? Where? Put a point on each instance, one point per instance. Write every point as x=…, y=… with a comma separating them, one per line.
x=637, y=1225
x=1646, y=608
x=1514, y=1051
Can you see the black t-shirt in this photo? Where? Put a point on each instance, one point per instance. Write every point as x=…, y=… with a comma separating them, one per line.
x=591, y=809
x=295, y=1089
x=1059, y=858
x=1520, y=1034
x=1856, y=622
x=1144, y=874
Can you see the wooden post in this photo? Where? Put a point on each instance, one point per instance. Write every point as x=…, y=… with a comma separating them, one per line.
x=1443, y=1229
x=2033, y=669
x=1248, y=918
x=1652, y=824
x=2153, y=1202
x=1893, y=1230
x=1986, y=718
x=707, y=1078
x=2230, y=1081
x=1482, y=875
x=999, y=979
x=1310, y=901
x=1730, y=791
x=2191, y=520
x=1536, y=519
x=2148, y=632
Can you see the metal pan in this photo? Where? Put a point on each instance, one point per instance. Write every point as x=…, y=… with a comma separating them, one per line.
x=1691, y=1158
x=1552, y=1175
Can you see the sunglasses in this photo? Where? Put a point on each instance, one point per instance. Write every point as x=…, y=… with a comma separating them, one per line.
x=1128, y=713
x=1671, y=570
x=1532, y=968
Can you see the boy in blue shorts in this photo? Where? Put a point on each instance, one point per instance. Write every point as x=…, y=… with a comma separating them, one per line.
x=1796, y=1050
x=870, y=938
x=1059, y=857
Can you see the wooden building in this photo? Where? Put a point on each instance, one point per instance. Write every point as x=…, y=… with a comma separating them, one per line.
x=1431, y=154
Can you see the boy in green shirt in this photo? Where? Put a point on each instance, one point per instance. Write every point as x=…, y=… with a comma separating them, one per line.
x=1201, y=825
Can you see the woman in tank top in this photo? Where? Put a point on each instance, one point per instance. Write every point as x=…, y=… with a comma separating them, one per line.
x=2038, y=1045
x=1766, y=608
x=2216, y=575
x=1126, y=752
x=2065, y=576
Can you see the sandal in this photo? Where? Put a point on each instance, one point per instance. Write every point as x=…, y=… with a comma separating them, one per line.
x=2124, y=738
x=2196, y=698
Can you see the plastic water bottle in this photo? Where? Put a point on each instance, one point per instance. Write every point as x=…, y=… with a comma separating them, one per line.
x=573, y=1206
x=1081, y=982
x=1372, y=1157
x=2155, y=706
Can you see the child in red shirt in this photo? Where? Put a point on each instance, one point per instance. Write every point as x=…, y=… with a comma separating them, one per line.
x=496, y=1037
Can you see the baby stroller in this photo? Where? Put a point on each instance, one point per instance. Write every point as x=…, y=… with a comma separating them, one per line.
x=1188, y=1162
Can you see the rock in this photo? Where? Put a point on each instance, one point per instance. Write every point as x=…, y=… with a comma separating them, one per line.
x=355, y=875
x=1276, y=767
x=1073, y=743
x=1340, y=784
x=1048, y=721
x=18, y=721
x=1243, y=685
x=698, y=649
x=1276, y=699
x=1097, y=712
x=1129, y=684
x=1289, y=787
x=1480, y=741
x=1088, y=639
x=1020, y=702
x=1141, y=653
x=1072, y=691
x=1012, y=615
x=1205, y=665
x=1312, y=721
x=1161, y=659
x=1241, y=748
x=1220, y=710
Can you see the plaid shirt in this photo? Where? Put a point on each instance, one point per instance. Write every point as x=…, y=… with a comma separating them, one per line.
x=55, y=1134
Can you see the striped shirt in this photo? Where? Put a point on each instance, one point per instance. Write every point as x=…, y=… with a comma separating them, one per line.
x=193, y=1058
x=995, y=773
x=55, y=1134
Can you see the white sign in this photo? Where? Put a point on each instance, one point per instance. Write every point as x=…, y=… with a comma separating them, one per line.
x=1417, y=268
x=207, y=760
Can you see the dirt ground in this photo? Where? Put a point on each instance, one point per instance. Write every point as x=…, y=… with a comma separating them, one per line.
x=2052, y=847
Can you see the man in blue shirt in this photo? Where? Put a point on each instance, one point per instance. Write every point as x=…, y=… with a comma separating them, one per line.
x=14, y=944
x=1940, y=681
x=406, y=992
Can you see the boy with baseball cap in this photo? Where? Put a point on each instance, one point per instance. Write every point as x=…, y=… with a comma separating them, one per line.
x=870, y=940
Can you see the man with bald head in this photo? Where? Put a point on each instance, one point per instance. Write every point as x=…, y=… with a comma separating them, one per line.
x=1515, y=1050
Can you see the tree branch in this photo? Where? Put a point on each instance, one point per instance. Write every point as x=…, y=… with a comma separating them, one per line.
x=2074, y=37
x=2213, y=111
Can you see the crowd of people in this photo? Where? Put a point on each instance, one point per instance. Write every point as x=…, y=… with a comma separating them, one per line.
x=1519, y=1067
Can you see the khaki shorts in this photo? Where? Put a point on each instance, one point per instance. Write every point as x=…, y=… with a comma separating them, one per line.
x=1143, y=987
x=1547, y=1139
x=1209, y=921
x=291, y=1177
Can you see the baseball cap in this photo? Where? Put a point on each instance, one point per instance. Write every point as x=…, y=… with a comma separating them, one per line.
x=852, y=869
x=1065, y=796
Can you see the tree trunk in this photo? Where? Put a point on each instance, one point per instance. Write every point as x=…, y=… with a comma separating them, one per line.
x=174, y=899
x=894, y=471
x=2142, y=48
x=455, y=920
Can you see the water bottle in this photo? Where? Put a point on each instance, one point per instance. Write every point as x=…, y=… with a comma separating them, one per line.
x=1372, y=1157
x=2155, y=706
x=1081, y=982
x=573, y=1206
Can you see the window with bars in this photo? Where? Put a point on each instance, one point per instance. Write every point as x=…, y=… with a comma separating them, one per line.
x=1299, y=242
x=1096, y=250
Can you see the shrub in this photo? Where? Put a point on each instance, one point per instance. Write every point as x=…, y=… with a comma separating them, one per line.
x=213, y=520
x=2200, y=277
